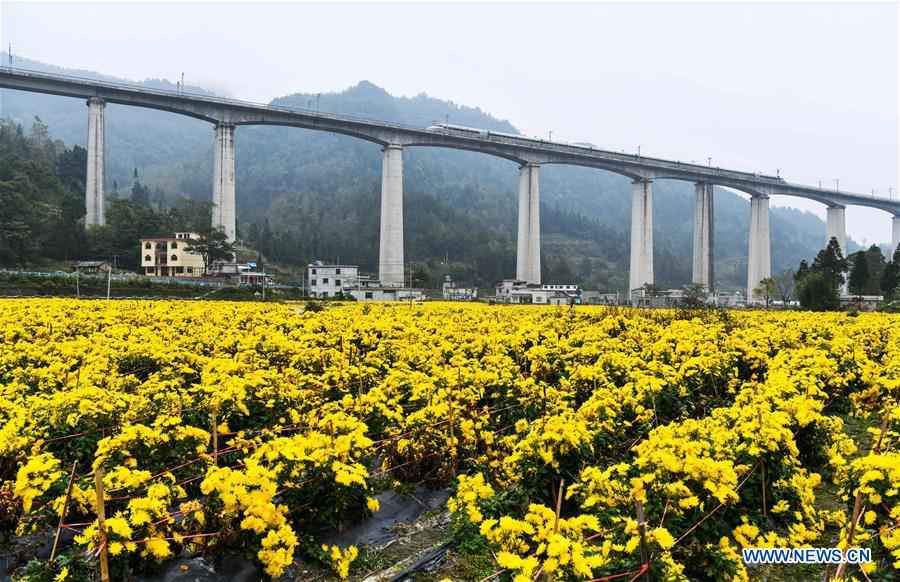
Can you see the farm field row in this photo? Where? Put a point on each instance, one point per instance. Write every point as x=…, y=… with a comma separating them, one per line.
x=581, y=444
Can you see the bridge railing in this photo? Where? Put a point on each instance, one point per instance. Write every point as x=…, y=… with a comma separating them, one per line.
x=207, y=97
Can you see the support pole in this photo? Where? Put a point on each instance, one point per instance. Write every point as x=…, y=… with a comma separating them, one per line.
x=214, y=418
x=641, y=269
x=101, y=524
x=63, y=510
x=759, y=262
x=390, y=246
x=528, y=243
x=94, y=197
x=522, y=234
x=895, y=233
x=642, y=532
x=836, y=227
x=223, y=212
x=703, y=237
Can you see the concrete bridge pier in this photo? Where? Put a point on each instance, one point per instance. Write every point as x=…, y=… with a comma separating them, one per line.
x=641, y=267
x=223, y=212
x=528, y=241
x=390, y=246
x=836, y=227
x=895, y=233
x=94, y=182
x=759, y=263
x=703, y=236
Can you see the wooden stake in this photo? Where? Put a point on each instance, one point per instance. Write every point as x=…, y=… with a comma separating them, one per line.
x=857, y=504
x=215, y=436
x=559, y=496
x=101, y=525
x=452, y=437
x=642, y=531
x=62, y=512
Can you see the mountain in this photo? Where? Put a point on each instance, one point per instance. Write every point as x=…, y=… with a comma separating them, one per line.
x=303, y=194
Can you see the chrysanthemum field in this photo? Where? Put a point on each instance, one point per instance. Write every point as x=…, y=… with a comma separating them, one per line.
x=216, y=426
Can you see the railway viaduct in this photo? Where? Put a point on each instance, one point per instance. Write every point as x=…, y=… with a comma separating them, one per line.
x=530, y=154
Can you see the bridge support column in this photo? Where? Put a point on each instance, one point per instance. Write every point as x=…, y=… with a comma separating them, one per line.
x=703, y=236
x=390, y=249
x=759, y=261
x=528, y=247
x=223, y=212
x=895, y=233
x=641, y=269
x=94, y=196
x=836, y=228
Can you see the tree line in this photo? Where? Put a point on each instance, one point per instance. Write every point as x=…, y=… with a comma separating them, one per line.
x=819, y=285
x=42, y=206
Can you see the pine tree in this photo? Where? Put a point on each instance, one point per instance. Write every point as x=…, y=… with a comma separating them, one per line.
x=876, y=263
x=802, y=271
x=831, y=263
x=859, y=273
x=890, y=278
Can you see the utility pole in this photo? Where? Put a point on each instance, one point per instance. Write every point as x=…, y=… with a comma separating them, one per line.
x=837, y=184
x=108, y=281
x=639, y=150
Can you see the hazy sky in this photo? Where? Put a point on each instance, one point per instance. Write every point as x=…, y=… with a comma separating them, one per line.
x=809, y=88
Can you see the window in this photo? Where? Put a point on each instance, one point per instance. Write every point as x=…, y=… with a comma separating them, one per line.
x=313, y=283
x=179, y=269
x=368, y=294
x=190, y=269
x=324, y=293
x=148, y=258
x=174, y=245
x=174, y=257
x=149, y=270
x=337, y=271
x=313, y=271
x=325, y=281
x=148, y=246
x=337, y=282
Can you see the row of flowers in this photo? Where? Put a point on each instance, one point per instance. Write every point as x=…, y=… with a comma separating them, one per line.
x=221, y=424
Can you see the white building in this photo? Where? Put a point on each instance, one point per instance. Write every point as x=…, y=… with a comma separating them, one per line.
x=453, y=293
x=378, y=292
x=599, y=298
x=515, y=291
x=329, y=280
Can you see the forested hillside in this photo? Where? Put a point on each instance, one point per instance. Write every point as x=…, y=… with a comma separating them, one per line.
x=304, y=195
